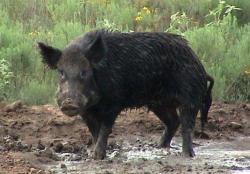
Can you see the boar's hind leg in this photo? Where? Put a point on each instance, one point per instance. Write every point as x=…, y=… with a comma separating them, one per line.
x=171, y=120
x=187, y=117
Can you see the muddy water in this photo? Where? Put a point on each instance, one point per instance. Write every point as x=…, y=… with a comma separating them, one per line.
x=140, y=157
x=233, y=155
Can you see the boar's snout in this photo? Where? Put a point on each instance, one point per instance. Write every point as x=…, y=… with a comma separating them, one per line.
x=69, y=107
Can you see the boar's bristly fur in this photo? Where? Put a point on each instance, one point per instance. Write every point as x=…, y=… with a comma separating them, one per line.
x=144, y=68
x=103, y=73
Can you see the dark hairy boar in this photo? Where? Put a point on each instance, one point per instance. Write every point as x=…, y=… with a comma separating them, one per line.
x=104, y=72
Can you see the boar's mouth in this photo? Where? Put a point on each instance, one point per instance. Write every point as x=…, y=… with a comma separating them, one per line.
x=70, y=109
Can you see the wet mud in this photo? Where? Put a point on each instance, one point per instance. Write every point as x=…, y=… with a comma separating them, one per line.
x=40, y=139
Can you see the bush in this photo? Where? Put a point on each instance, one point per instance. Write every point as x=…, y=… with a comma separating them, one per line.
x=5, y=77
x=222, y=46
x=239, y=89
x=220, y=35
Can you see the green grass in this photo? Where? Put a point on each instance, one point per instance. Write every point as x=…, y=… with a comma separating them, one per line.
x=222, y=41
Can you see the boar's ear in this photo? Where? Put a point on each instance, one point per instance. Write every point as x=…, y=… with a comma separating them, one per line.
x=49, y=54
x=96, y=50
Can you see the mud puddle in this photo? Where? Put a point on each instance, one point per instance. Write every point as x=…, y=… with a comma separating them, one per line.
x=140, y=157
x=234, y=155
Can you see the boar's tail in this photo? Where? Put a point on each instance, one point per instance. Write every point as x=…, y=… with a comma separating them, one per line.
x=207, y=102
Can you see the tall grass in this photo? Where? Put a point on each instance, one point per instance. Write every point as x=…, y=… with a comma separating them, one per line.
x=221, y=40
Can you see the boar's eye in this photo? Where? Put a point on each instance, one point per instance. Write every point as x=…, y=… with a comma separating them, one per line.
x=62, y=74
x=83, y=74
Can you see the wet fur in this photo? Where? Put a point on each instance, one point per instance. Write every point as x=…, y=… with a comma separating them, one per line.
x=131, y=70
x=157, y=70
x=141, y=69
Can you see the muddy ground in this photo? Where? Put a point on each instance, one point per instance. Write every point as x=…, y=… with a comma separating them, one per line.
x=40, y=139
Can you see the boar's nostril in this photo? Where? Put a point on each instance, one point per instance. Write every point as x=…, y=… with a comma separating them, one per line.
x=69, y=108
x=68, y=100
x=68, y=103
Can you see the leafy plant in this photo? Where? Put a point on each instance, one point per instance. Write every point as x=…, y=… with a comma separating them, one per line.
x=5, y=77
x=222, y=11
x=179, y=23
x=214, y=29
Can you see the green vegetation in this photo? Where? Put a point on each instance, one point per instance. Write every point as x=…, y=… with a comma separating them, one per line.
x=5, y=76
x=217, y=31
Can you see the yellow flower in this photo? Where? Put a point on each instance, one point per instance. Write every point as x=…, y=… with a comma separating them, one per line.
x=247, y=72
x=145, y=9
x=222, y=2
x=31, y=33
x=138, y=18
x=34, y=33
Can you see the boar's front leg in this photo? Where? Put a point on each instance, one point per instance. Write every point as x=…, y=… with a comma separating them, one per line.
x=104, y=132
x=101, y=144
x=94, y=128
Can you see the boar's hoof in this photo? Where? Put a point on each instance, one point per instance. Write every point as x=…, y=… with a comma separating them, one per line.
x=188, y=153
x=99, y=154
x=163, y=144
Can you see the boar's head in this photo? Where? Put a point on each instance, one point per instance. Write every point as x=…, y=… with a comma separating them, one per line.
x=75, y=65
